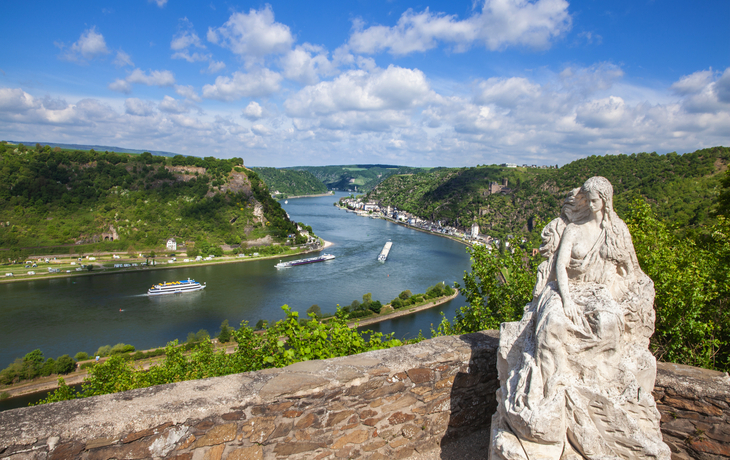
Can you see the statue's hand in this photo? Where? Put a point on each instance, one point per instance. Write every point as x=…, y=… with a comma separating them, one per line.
x=571, y=311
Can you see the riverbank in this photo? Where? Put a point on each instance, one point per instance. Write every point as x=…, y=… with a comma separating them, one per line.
x=165, y=266
x=403, y=311
x=403, y=224
x=330, y=193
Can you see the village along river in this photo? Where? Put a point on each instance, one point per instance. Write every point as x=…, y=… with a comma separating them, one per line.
x=68, y=315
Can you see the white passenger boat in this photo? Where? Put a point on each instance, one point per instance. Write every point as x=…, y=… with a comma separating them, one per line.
x=175, y=287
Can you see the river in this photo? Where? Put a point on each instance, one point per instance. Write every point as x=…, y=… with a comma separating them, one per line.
x=68, y=315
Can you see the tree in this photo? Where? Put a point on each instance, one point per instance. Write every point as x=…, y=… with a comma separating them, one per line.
x=375, y=306
x=405, y=294
x=103, y=350
x=48, y=368
x=65, y=365
x=315, y=310
x=497, y=289
x=692, y=321
x=81, y=356
x=224, y=335
x=32, y=364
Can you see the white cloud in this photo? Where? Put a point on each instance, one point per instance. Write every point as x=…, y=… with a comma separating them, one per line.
x=394, y=115
x=187, y=92
x=499, y=24
x=121, y=86
x=172, y=105
x=134, y=106
x=391, y=88
x=694, y=83
x=506, y=92
x=159, y=3
x=253, y=111
x=722, y=87
x=216, y=66
x=123, y=59
x=253, y=35
x=306, y=63
x=704, y=91
x=184, y=39
x=602, y=113
x=15, y=100
x=153, y=78
x=261, y=130
x=258, y=83
x=191, y=57
x=90, y=45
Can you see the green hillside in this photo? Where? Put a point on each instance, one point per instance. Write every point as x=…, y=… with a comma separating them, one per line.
x=361, y=178
x=71, y=199
x=289, y=182
x=679, y=187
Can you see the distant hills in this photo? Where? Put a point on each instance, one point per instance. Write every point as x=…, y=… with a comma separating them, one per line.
x=355, y=178
x=681, y=188
x=289, y=182
x=98, y=148
x=76, y=200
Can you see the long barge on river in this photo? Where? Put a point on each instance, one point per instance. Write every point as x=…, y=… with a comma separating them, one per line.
x=384, y=253
x=310, y=260
x=176, y=287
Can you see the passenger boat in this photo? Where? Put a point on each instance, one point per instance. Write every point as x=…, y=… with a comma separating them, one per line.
x=311, y=260
x=175, y=287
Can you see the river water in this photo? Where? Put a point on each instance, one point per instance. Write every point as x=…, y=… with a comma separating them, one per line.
x=68, y=315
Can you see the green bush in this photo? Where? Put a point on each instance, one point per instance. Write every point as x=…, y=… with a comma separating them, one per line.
x=285, y=342
x=49, y=367
x=224, y=335
x=103, y=351
x=121, y=348
x=81, y=356
x=64, y=365
x=314, y=309
x=375, y=306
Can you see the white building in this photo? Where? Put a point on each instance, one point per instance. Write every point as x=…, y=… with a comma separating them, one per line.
x=474, y=230
x=172, y=244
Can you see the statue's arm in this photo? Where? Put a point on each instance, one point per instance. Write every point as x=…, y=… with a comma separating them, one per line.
x=561, y=271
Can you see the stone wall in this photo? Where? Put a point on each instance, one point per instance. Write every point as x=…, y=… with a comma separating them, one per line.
x=695, y=409
x=385, y=404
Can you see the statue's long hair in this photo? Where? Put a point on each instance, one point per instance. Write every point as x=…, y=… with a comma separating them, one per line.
x=614, y=247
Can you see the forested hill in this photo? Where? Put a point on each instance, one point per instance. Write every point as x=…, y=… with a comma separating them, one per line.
x=289, y=182
x=679, y=187
x=55, y=197
x=361, y=178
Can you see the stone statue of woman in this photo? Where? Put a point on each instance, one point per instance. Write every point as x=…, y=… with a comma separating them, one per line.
x=576, y=374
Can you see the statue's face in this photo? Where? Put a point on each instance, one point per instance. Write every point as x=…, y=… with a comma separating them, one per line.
x=594, y=201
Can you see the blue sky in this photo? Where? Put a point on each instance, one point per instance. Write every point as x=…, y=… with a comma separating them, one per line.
x=439, y=83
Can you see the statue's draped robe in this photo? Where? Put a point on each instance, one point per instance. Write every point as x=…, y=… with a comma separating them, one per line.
x=599, y=406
